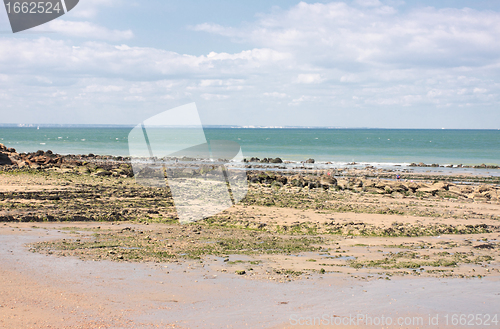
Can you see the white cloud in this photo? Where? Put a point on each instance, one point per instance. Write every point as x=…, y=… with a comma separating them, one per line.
x=102, y=89
x=303, y=98
x=369, y=3
x=335, y=56
x=337, y=33
x=308, y=78
x=85, y=30
x=135, y=98
x=100, y=59
x=210, y=97
x=276, y=95
x=90, y=8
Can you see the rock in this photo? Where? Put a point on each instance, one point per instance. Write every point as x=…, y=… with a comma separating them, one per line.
x=102, y=172
x=84, y=170
x=456, y=193
x=432, y=190
x=22, y=164
x=34, y=165
x=327, y=181
x=484, y=188
x=441, y=185
x=4, y=159
x=484, y=246
x=281, y=179
x=310, y=161
x=478, y=196
x=343, y=184
x=314, y=183
x=374, y=190
x=296, y=180
x=464, y=189
x=354, y=183
x=397, y=187
x=276, y=160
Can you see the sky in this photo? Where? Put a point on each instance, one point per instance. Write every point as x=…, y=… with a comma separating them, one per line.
x=361, y=63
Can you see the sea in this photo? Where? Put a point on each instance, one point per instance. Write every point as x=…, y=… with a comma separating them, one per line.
x=379, y=147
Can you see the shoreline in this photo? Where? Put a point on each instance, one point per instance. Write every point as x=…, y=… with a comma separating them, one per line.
x=39, y=159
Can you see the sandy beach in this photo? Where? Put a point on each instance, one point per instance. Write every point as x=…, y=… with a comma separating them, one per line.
x=84, y=246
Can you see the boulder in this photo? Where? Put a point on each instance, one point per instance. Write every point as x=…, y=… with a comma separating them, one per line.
x=313, y=183
x=465, y=189
x=34, y=165
x=4, y=159
x=3, y=147
x=277, y=160
x=484, y=188
x=355, y=182
x=369, y=183
x=396, y=187
x=441, y=185
x=326, y=180
x=297, y=181
x=310, y=161
x=374, y=190
x=22, y=164
x=101, y=173
x=342, y=183
x=431, y=189
x=281, y=179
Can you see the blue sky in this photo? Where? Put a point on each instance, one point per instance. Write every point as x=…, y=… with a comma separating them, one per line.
x=364, y=63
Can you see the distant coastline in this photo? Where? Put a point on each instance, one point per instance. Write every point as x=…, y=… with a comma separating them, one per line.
x=53, y=125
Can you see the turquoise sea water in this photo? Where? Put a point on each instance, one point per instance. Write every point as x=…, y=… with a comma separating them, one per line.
x=383, y=146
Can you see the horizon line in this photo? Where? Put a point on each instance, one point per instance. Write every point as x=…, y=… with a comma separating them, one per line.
x=54, y=125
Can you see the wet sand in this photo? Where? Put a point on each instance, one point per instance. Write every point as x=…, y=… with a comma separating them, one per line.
x=366, y=245
x=44, y=291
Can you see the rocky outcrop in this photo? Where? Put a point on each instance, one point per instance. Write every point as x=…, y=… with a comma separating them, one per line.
x=4, y=159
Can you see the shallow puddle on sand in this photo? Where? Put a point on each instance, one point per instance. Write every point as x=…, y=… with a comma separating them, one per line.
x=194, y=295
